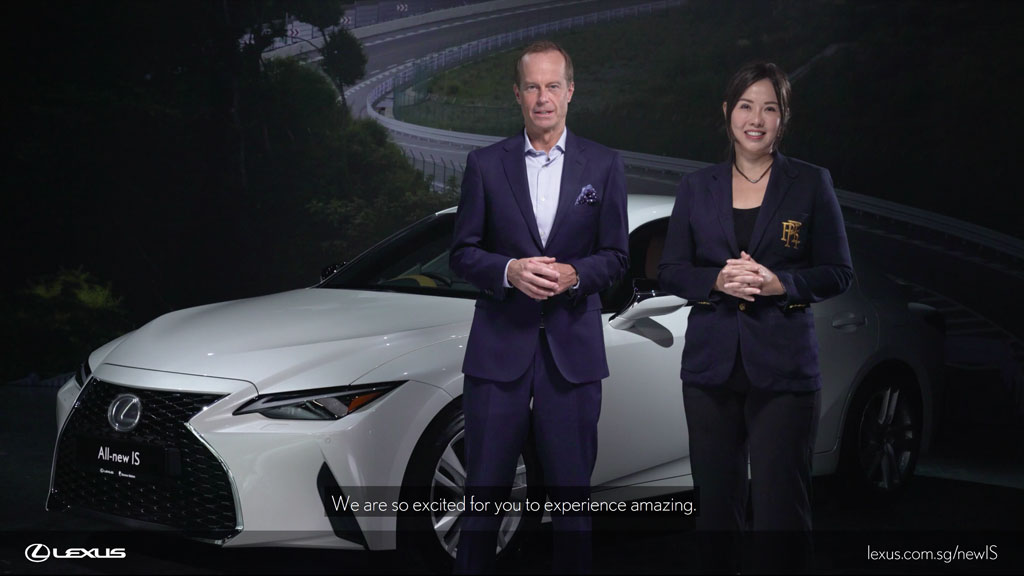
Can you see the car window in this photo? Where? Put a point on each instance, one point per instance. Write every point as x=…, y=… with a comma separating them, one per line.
x=646, y=244
x=413, y=260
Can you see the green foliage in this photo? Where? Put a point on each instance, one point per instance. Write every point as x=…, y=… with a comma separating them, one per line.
x=430, y=104
x=632, y=97
x=56, y=320
x=342, y=54
x=152, y=148
x=326, y=186
x=451, y=186
x=388, y=193
x=344, y=59
x=320, y=13
x=901, y=91
x=486, y=82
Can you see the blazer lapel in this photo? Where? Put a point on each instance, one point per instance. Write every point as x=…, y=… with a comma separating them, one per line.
x=514, y=163
x=721, y=192
x=572, y=173
x=783, y=175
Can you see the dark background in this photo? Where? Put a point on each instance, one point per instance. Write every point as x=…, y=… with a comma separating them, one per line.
x=155, y=163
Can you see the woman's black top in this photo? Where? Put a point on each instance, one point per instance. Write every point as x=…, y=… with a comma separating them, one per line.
x=743, y=223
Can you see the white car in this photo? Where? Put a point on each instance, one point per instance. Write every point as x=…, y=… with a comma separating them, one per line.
x=244, y=423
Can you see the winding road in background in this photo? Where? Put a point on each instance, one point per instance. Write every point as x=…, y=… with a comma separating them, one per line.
x=954, y=268
x=389, y=52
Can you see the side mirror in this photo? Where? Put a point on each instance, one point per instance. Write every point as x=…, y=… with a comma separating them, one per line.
x=647, y=301
x=329, y=271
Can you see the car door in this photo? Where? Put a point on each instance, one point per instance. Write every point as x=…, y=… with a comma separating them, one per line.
x=847, y=329
x=642, y=434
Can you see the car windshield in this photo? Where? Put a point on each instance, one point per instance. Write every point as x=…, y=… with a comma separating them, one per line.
x=414, y=260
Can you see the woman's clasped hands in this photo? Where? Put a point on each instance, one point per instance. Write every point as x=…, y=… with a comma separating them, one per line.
x=744, y=278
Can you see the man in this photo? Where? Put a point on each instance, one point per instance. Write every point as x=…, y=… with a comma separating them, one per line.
x=541, y=229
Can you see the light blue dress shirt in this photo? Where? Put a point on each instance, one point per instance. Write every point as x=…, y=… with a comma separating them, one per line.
x=544, y=175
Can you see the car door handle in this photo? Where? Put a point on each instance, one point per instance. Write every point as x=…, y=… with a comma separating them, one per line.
x=848, y=321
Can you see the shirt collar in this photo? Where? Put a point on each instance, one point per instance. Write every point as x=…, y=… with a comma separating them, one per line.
x=531, y=151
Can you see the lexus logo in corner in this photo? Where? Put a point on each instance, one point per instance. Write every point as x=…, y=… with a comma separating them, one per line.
x=42, y=553
x=124, y=412
x=37, y=553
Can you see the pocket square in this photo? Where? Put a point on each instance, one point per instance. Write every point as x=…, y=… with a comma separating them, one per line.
x=587, y=196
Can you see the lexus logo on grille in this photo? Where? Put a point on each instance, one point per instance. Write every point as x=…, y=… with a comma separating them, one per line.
x=124, y=412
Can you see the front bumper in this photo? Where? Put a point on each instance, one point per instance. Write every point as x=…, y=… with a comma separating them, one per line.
x=236, y=480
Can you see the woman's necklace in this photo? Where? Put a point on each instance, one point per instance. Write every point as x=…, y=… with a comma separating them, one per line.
x=749, y=179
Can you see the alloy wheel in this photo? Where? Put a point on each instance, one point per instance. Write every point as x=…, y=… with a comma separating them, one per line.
x=889, y=438
x=449, y=484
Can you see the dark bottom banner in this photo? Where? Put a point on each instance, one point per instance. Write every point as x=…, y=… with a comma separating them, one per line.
x=674, y=548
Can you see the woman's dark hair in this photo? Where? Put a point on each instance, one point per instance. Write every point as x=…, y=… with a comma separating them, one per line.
x=749, y=74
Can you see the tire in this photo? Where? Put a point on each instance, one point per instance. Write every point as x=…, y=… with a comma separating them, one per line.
x=881, y=438
x=437, y=471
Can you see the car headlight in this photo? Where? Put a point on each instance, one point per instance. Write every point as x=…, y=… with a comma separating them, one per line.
x=321, y=404
x=83, y=374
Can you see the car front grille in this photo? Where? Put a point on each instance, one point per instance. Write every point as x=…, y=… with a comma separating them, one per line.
x=192, y=491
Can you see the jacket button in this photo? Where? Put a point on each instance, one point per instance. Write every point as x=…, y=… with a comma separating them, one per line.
x=743, y=306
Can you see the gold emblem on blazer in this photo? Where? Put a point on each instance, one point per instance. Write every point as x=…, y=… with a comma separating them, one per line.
x=791, y=233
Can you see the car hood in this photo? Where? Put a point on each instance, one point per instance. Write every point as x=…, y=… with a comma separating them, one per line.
x=294, y=340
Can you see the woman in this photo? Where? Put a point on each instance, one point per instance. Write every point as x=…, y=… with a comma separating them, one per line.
x=752, y=242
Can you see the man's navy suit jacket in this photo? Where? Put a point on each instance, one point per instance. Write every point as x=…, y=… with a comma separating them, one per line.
x=799, y=235
x=496, y=223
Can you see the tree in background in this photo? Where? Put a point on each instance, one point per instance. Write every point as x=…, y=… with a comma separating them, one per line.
x=344, y=59
x=59, y=319
x=342, y=54
x=153, y=146
x=404, y=196
x=322, y=14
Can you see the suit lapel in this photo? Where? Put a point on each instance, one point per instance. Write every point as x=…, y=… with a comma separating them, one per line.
x=782, y=177
x=721, y=192
x=514, y=163
x=570, y=186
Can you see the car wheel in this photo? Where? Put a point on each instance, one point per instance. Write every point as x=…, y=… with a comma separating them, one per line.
x=437, y=474
x=881, y=438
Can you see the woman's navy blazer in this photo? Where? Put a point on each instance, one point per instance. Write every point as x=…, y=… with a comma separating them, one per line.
x=799, y=235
